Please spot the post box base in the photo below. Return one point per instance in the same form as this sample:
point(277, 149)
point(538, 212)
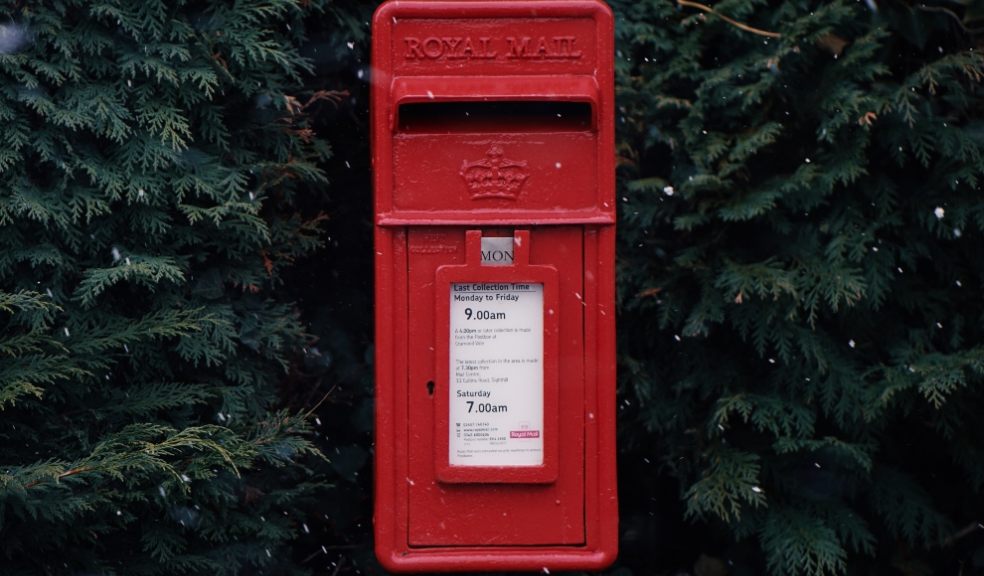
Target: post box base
point(543, 560)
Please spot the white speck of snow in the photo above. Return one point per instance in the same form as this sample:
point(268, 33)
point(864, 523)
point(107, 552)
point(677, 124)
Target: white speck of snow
point(959, 284)
point(939, 325)
point(900, 270)
point(268, 553)
point(252, 196)
point(127, 260)
point(129, 83)
point(668, 190)
point(874, 248)
point(126, 348)
point(703, 131)
point(48, 291)
point(721, 428)
point(306, 529)
point(772, 360)
point(317, 421)
point(116, 254)
point(807, 160)
point(185, 478)
point(756, 489)
point(939, 212)
point(141, 193)
point(350, 45)
point(430, 94)
point(323, 549)
point(160, 489)
point(119, 512)
point(360, 73)
point(557, 165)
point(851, 343)
point(957, 233)
point(676, 337)
point(221, 417)
point(546, 570)
point(67, 333)
point(817, 465)
point(348, 164)
point(410, 481)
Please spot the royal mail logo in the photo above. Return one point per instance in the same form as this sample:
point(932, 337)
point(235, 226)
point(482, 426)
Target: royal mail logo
point(495, 176)
point(490, 48)
point(524, 433)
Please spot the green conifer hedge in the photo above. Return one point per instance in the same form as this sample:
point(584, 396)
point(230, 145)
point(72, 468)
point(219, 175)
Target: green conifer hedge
point(801, 276)
point(185, 287)
point(153, 156)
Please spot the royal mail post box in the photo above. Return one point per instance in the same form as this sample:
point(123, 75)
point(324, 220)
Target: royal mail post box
point(493, 157)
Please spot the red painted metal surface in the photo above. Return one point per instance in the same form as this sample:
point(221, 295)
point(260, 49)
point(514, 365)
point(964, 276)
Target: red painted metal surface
point(494, 119)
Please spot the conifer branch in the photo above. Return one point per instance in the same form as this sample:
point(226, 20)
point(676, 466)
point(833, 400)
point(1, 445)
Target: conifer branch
point(59, 476)
point(941, 10)
point(962, 533)
point(732, 21)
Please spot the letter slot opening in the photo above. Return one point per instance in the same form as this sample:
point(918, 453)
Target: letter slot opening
point(495, 116)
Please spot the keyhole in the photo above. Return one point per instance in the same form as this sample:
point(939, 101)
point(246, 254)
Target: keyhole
point(430, 387)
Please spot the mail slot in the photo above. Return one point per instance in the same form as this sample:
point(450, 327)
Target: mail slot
point(493, 157)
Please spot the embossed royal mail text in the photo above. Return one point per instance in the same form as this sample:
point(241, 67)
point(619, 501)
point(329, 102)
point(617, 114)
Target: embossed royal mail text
point(491, 48)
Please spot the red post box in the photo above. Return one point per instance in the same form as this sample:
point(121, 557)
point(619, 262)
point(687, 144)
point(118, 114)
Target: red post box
point(493, 160)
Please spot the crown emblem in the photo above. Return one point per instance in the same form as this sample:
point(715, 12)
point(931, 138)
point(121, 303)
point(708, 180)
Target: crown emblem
point(494, 176)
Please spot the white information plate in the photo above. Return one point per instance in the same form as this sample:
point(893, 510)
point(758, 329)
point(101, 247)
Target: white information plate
point(496, 393)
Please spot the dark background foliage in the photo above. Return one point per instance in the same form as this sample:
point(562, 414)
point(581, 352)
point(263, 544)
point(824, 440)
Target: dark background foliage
point(800, 273)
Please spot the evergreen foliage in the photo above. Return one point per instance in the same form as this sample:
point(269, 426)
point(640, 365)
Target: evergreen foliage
point(801, 275)
point(152, 158)
point(800, 271)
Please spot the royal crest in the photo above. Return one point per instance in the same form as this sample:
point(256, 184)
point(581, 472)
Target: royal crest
point(494, 176)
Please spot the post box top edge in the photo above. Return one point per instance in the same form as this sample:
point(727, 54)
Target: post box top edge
point(486, 8)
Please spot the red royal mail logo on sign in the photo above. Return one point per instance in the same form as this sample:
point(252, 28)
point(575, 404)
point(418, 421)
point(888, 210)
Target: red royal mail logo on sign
point(524, 433)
